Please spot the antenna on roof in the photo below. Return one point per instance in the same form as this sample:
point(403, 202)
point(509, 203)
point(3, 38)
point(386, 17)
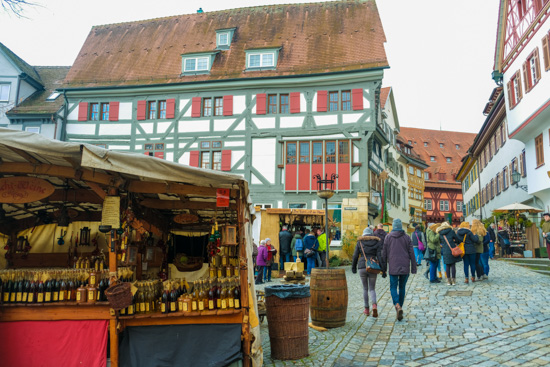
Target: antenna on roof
point(439, 125)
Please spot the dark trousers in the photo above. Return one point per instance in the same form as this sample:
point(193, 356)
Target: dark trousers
point(260, 276)
point(469, 264)
point(548, 249)
point(451, 270)
point(323, 256)
point(433, 270)
point(479, 266)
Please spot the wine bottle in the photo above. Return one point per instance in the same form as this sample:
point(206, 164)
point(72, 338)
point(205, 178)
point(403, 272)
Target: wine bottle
point(40, 292)
point(237, 295)
point(55, 288)
point(211, 295)
point(194, 297)
point(31, 297)
point(48, 291)
point(63, 290)
point(173, 300)
point(20, 288)
point(164, 302)
point(223, 295)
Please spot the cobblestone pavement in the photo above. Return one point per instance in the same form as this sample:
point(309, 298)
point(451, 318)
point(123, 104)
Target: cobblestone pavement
point(506, 321)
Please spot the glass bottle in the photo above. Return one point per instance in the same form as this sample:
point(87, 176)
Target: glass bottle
point(55, 287)
point(201, 296)
point(194, 297)
point(31, 297)
point(211, 295)
point(223, 295)
point(165, 302)
point(63, 290)
point(174, 300)
point(237, 294)
point(218, 294)
point(71, 289)
point(26, 288)
point(7, 287)
point(132, 307)
point(13, 288)
point(40, 292)
point(230, 297)
point(19, 288)
point(48, 291)
point(141, 299)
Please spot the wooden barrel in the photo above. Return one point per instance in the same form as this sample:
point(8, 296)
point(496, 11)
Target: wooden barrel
point(329, 297)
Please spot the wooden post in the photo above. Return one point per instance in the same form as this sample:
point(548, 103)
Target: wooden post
point(113, 334)
point(247, 345)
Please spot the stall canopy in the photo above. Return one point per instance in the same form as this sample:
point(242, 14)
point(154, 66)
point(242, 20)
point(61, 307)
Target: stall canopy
point(517, 207)
point(75, 179)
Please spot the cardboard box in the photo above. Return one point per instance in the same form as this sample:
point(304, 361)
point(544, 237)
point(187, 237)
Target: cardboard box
point(297, 267)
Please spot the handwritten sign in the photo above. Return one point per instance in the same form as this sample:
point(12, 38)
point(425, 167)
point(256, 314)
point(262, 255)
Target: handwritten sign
point(110, 214)
point(185, 218)
point(222, 198)
point(20, 190)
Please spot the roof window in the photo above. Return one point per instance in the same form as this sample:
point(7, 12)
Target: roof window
point(425, 143)
point(53, 96)
point(197, 63)
point(441, 145)
point(262, 59)
point(449, 160)
point(224, 38)
point(457, 146)
point(432, 158)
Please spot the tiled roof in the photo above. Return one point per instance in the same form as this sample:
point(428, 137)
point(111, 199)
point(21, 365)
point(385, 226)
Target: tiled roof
point(449, 139)
point(20, 63)
point(384, 93)
point(314, 38)
point(52, 77)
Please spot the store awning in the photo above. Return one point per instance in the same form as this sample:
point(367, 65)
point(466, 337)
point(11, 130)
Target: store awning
point(517, 207)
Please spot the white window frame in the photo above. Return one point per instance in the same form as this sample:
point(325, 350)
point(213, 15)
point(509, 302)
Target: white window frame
point(185, 70)
point(459, 206)
point(264, 206)
point(426, 175)
point(304, 204)
point(430, 202)
point(411, 170)
point(444, 205)
point(220, 39)
point(432, 158)
point(261, 54)
point(53, 96)
point(418, 173)
point(8, 86)
point(33, 129)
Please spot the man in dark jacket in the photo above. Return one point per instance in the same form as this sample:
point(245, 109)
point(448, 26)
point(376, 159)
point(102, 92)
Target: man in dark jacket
point(380, 233)
point(369, 247)
point(398, 253)
point(285, 238)
point(470, 240)
point(493, 235)
point(311, 245)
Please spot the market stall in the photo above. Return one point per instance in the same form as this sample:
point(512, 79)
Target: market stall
point(519, 224)
point(75, 219)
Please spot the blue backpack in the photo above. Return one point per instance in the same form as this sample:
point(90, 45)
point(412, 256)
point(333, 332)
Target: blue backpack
point(299, 245)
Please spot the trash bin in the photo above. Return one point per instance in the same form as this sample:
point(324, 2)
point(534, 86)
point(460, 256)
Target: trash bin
point(287, 309)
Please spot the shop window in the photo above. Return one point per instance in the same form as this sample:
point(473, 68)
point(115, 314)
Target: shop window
point(291, 153)
point(304, 152)
point(335, 222)
point(317, 152)
point(297, 206)
point(330, 152)
point(343, 152)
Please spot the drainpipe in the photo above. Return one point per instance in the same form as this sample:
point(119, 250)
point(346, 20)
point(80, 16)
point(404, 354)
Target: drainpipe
point(62, 135)
point(17, 92)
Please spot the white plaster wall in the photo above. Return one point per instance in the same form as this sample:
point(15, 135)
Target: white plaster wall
point(6, 67)
point(183, 103)
point(291, 121)
point(222, 125)
point(25, 90)
point(355, 177)
point(241, 126)
point(115, 129)
point(169, 156)
point(323, 120)
point(194, 126)
point(184, 159)
point(48, 130)
point(80, 129)
point(148, 127)
point(239, 104)
point(264, 122)
point(263, 157)
point(538, 96)
point(537, 178)
point(350, 118)
point(162, 127)
point(73, 115)
point(124, 111)
point(303, 103)
point(233, 144)
point(119, 147)
point(235, 156)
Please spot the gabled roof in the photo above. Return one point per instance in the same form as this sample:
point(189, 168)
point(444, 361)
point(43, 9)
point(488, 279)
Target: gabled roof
point(20, 64)
point(36, 104)
point(384, 93)
point(449, 139)
point(313, 38)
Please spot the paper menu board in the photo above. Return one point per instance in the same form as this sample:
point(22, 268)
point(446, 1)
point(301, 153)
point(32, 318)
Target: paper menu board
point(110, 214)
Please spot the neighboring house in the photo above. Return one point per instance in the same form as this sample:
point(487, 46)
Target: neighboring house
point(493, 173)
point(277, 94)
point(28, 100)
point(522, 65)
point(443, 152)
point(395, 190)
point(415, 167)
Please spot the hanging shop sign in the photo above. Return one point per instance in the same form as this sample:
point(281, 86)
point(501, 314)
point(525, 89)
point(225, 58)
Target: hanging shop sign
point(20, 190)
point(222, 198)
point(110, 215)
point(185, 218)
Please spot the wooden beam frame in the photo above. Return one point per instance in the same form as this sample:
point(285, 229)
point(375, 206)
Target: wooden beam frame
point(177, 204)
point(146, 187)
point(57, 171)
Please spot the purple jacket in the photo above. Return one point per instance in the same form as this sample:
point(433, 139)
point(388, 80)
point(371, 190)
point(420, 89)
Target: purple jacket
point(262, 256)
point(398, 253)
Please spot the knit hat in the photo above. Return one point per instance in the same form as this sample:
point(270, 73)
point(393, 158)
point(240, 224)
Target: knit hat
point(397, 225)
point(368, 232)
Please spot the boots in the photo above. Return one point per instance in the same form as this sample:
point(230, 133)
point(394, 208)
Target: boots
point(473, 279)
point(366, 311)
point(453, 281)
point(466, 281)
point(449, 282)
point(399, 312)
point(374, 310)
point(439, 275)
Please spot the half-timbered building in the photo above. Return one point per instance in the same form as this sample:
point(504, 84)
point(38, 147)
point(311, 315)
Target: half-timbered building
point(278, 94)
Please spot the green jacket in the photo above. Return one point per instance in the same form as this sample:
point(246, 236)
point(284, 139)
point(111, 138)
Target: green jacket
point(322, 242)
point(293, 245)
point(479, 245)
point(545, 227)
point(434, 242)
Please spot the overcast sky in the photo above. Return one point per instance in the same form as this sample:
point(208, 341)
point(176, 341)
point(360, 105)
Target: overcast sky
point(440, 52)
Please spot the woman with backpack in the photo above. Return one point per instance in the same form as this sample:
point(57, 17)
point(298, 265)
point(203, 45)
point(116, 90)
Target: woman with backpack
point(368, 248)
point(449, 240)
point(297, 247)
point(419, 244)
point(470, 240)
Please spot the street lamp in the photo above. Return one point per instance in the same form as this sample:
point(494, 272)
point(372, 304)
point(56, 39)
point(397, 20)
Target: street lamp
point(516, 178)
point(325, 190)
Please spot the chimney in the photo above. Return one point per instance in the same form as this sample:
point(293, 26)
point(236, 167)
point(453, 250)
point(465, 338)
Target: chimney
point(200, 11)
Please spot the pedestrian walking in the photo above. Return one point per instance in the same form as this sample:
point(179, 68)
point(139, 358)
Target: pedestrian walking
point(285, 238)
point(297, 246)
point(419, 243)
point(479, 229)
point(368, 248)
point(261, 262)
point(379, 232)
point(433, 253)
point(449, 240)
point(271, 252)
point(470, 240)
point(486, 255)
point(398, 253)
point(310, 250)
point(493, 235)
point(322, 251)
point(504, 239)
point(545, 226)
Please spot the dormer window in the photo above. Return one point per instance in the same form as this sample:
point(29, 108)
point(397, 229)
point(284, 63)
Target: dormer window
point(441, 145)
point(261, 59)
point(197, 63)
point(224, 38)
point(425, 144)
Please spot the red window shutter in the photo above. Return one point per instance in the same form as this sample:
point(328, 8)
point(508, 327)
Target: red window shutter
point(226, 160)
point(141, 110)
point(546, 51)
point(510, 95)
point(194, 158)
point(357, 95)
point(295, 102)
point(322, 99)
point(159, 155)
point(113, 111)
point(526, 76)
point(170, 108)
point(537, 63)
point(196, 108)
point(228, 105)
point(261, 104)
point(520, 93)
point(83, 111)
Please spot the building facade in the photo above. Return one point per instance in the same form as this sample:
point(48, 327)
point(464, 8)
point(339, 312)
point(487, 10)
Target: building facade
point(280, 105)
point(522, 65)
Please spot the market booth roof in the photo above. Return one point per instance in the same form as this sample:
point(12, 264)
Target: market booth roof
point(82, 175)
point(517, 207)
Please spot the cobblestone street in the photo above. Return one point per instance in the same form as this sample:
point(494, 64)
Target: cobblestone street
point(506, 321)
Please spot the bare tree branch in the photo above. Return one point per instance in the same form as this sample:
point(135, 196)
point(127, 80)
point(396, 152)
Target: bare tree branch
point(15, 6)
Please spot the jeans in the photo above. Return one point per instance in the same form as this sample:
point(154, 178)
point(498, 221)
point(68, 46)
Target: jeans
point(285, 257)
point(469, 263)
point(369, 286)
point(260, 276)
point(485, 261)
point(398, 296)
point(418, 255)
point(310, 264)
point(267, 273)
point(491, 249)
point(479, 266)
point(433, 270)
point(451, 270)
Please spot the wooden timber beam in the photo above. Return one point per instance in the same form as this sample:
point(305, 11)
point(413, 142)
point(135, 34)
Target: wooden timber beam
point(97, 190)
point(25, 155)
point(177, 205)
point(56, 171)
point(145, 187)
point(75, 196)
